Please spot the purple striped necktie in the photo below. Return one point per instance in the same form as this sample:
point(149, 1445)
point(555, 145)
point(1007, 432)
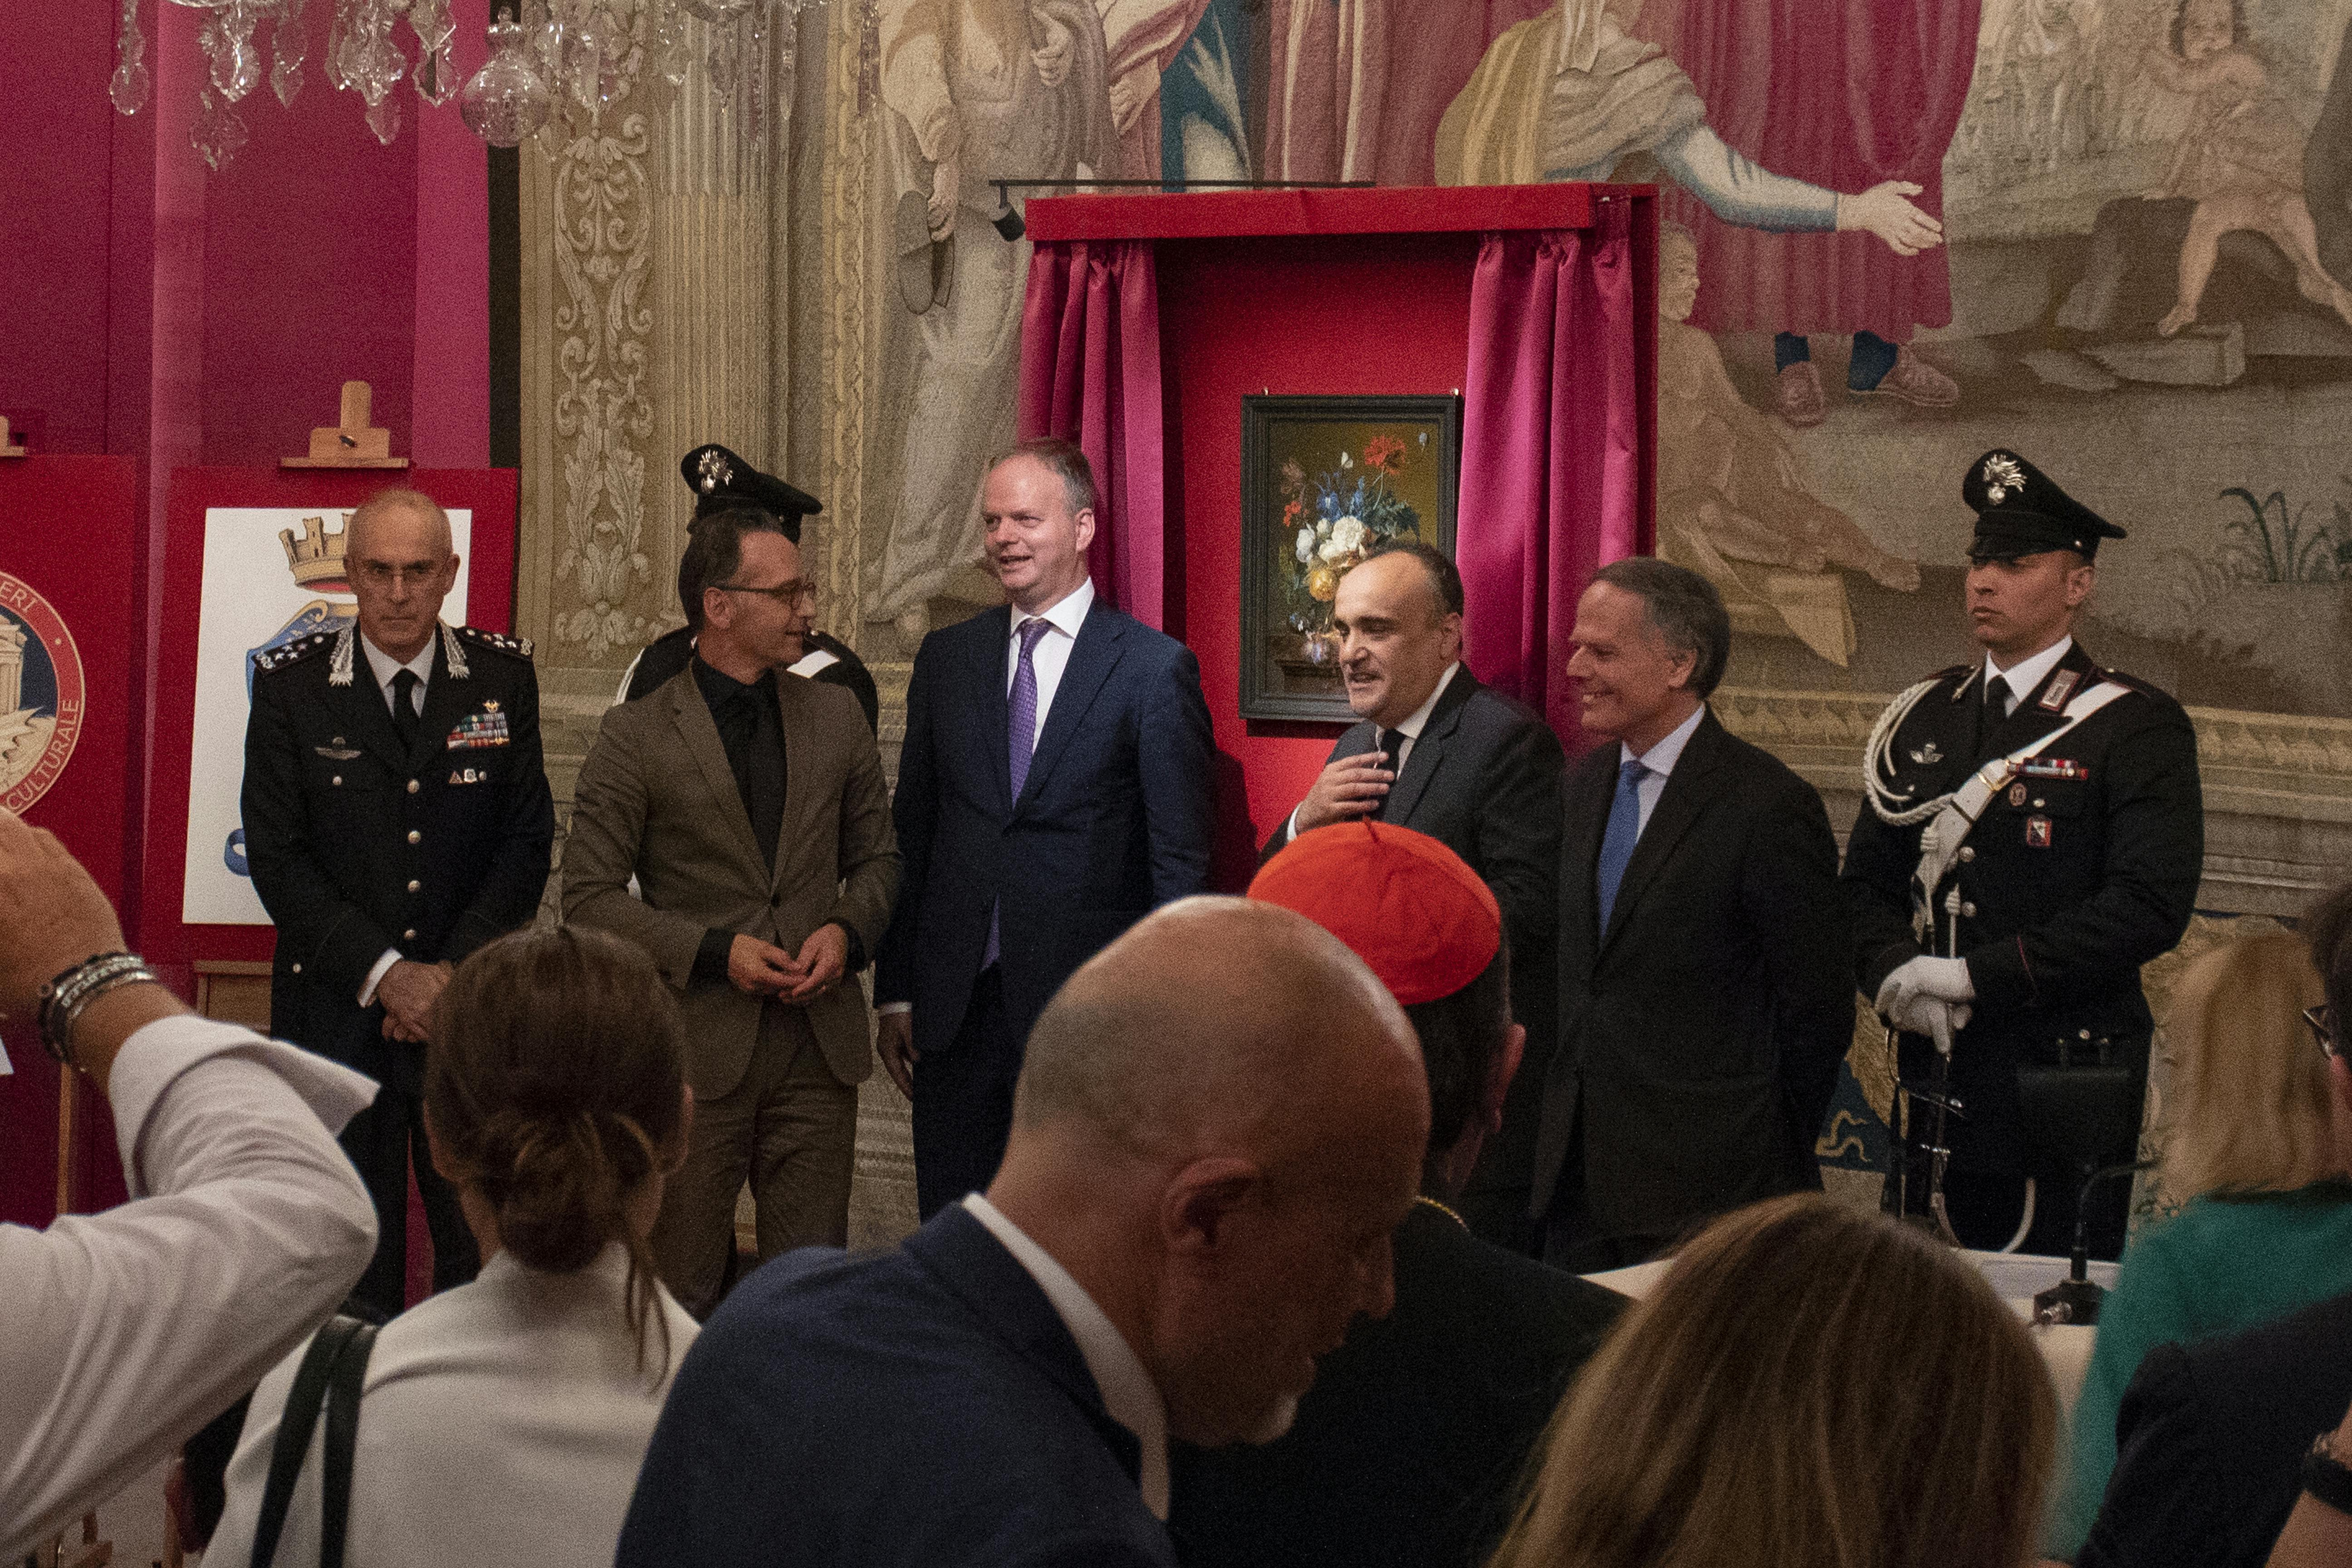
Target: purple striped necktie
point(1020, 735)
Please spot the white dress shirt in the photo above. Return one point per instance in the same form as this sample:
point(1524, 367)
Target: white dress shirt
point(1413, 724)
point(122, 1332)
point(2026, 673)
point(1052, 654)
point(1126, 1389)
point(500, 1422)
point(385, 666)
point(1660, 760)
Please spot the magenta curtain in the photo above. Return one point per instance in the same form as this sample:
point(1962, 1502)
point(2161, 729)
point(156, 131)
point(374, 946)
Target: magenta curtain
point(1090, 372)
point(1553, 482)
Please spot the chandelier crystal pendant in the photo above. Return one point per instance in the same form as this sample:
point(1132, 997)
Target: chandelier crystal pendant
point(582, 57)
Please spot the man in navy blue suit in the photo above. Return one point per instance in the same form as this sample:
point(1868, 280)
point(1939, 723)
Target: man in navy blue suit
point(1220, 1124)
point(1056, 786)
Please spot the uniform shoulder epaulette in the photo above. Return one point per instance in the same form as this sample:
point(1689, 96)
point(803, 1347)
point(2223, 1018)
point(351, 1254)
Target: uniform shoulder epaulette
point(294, 652)
point(1948, 672)
point(2135, 683)
point(518, 647)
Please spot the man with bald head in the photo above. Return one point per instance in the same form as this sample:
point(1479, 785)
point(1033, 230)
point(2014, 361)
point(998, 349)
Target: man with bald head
point(396, 817)
point(1438, 753)
point(1219, 1122)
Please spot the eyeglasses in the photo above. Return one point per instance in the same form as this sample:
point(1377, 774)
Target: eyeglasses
point(2322, 1020)
point(385, 574)
point(784, 593)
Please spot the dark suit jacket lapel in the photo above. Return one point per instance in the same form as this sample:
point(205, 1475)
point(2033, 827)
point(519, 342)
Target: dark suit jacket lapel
point(974, 1267)
point(1429, 748)
point(1591, 782)
point(1092, 658)
point(1678, 806)
point(699, 733)
point(995, 706)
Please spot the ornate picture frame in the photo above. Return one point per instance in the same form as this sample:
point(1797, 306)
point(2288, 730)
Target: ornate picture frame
point(1324, 480)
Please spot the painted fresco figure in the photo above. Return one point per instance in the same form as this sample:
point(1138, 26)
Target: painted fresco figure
point(1615, 106)
point(1140, 39)
point(1727, 478)
point(1356, 87)
point(978, 87)
point(2327, 168)
point(2241, 159)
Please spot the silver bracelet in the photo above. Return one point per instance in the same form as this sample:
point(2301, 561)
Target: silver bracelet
point(63, 999)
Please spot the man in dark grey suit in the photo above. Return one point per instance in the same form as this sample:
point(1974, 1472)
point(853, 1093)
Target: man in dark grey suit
point(751, 810)
point(1438, 753)
point(1704, 1006)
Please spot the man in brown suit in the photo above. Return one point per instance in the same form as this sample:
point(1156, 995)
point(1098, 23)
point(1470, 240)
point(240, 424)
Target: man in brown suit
point(750, 806)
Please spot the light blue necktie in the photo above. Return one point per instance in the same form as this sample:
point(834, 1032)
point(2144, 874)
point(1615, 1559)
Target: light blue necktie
point(1020, 734)
point(1617, 841)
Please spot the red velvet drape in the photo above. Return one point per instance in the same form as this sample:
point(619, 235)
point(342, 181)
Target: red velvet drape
point(1090, 372)
point(1554, 479)
point(1841, 93)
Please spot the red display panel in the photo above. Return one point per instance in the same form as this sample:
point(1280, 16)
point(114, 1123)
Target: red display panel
point(489, 494)
point(69, 529)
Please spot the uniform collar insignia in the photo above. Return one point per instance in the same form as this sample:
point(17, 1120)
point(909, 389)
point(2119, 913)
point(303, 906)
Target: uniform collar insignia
point(2061, 685)
point(347, 646)
point(455, 651)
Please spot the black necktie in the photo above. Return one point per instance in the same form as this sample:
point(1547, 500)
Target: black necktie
point(1393, 743)
point(1994, 713)
point(404, 707)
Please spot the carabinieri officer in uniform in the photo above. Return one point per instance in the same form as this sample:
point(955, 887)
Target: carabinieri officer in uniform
point(396, 817)
point(2069, 835)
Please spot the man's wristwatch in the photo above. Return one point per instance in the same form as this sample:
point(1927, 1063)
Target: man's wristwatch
point(2325, 1476)
point(63, 999)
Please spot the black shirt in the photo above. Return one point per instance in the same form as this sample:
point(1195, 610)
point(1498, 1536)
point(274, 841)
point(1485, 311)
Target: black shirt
point(751, 732)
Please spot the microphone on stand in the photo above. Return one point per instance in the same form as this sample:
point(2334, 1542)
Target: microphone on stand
point(2075, 1298)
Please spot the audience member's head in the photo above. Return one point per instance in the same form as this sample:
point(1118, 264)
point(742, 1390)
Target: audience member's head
point(1037, 503)
point(1398, 615)
point(401, 561)
point(2327, 929)
point(555, 1099)
point(1652, 640)
point(1218, 1124)
point(1809, 1383)
point(1430, 929)
point(2249, 1106)
point(741, 585)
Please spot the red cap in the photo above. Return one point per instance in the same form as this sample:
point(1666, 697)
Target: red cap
point(1408, 906)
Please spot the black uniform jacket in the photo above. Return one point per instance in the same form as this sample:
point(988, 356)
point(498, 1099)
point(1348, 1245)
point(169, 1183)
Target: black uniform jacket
point(2085, 868)
point(670, 652)
point(1410, 1449)
point(1484, 779)
point(1702, 1029)
point(357, 845)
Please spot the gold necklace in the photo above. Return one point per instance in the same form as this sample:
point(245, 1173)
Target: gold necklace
point(1441, 1208)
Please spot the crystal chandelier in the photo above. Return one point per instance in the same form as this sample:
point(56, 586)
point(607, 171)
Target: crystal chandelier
point(566, 62)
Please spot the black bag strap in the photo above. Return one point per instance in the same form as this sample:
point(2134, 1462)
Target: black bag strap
point(301, 1418)
point(342, 1440)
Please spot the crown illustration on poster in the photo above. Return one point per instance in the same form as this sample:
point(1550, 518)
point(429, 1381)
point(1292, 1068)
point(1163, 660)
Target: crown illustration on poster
point(318, 555)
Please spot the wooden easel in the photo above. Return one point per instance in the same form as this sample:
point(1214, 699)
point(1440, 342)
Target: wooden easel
point(355, 443)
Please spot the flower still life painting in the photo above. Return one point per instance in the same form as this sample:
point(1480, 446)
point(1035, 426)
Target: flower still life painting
point(1325, 482)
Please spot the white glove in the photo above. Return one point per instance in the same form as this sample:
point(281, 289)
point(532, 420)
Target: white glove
point(1929, 997)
